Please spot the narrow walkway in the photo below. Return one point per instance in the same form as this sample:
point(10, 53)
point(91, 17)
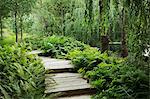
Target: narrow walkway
point(69, 84)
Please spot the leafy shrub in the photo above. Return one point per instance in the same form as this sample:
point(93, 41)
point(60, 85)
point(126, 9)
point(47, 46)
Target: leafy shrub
point(90, 58)
point(119, 82)
point(21, 75)
point(109, 75)
point(59, 46)
point(35, 42)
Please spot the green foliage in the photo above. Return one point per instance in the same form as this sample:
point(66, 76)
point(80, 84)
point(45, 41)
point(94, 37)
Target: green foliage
point(4, 11)
point(86, 59)
point(22, 75)
point(8, 38)
point(89, 58)
point(59, 46)
point(63, 17)
point(4, 8)
point(33, 41)
point(138, 36)
point(110, 76)
point(86, 20)
point(119, 82)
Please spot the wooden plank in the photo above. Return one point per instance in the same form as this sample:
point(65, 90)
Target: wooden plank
point(65, 78)
point(66, 82)
point(49, 66)
point(114, 43)
point(35, 52)
point(69, 79)
point(60, 75)
point(68, 88)
point(48, 59)
point(51, 59)
point(75, 92)
point(77, 97)
point(56, 64)
point(68, 85)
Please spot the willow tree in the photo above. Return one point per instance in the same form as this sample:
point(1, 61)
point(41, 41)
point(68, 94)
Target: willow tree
point(139, 30)
point(139, 37)
point(123, 22)
point(89, 18)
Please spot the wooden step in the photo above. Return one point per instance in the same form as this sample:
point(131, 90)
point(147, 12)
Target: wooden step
point(61, 81)
point(35, 52)
point(57, 65)
point(68, 84)
point(76, 97)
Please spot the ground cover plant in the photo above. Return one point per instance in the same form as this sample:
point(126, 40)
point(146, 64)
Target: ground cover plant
point(33, 42)
point(111, 76)
point(21, 75)
point(59, 46)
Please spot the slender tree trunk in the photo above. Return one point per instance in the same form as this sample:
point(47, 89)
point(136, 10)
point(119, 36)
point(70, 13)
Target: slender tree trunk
point(124, 48)
point(46, 27)
point(63, 21)
point(21, 28)
point(1, 26)
point(85, 17)
point(16, 28)
point(100, 8)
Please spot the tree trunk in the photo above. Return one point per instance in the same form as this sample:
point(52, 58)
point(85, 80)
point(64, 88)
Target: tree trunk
point(124, 48)
point(85, 17)
point(16, 28)
point(105, 43)
point(63, 21)
point(100, 10)
point(1, 26)
point(46, 27)
point(21, 28)
point(104, 38)
point(100, 6)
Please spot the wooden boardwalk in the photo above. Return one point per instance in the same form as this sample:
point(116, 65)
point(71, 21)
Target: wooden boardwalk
point(65, 81)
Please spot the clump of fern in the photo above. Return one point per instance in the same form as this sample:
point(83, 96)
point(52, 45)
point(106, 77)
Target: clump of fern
point(21, 75)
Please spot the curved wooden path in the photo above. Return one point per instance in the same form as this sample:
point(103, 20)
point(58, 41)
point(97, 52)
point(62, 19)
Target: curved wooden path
point(66, 82)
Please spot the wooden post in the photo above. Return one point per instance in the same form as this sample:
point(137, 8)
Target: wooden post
point(1, 26)
point(105, 43)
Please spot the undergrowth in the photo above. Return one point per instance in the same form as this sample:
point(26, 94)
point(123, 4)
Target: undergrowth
point(21, 75)
point(113, 77)
point(59, 46)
